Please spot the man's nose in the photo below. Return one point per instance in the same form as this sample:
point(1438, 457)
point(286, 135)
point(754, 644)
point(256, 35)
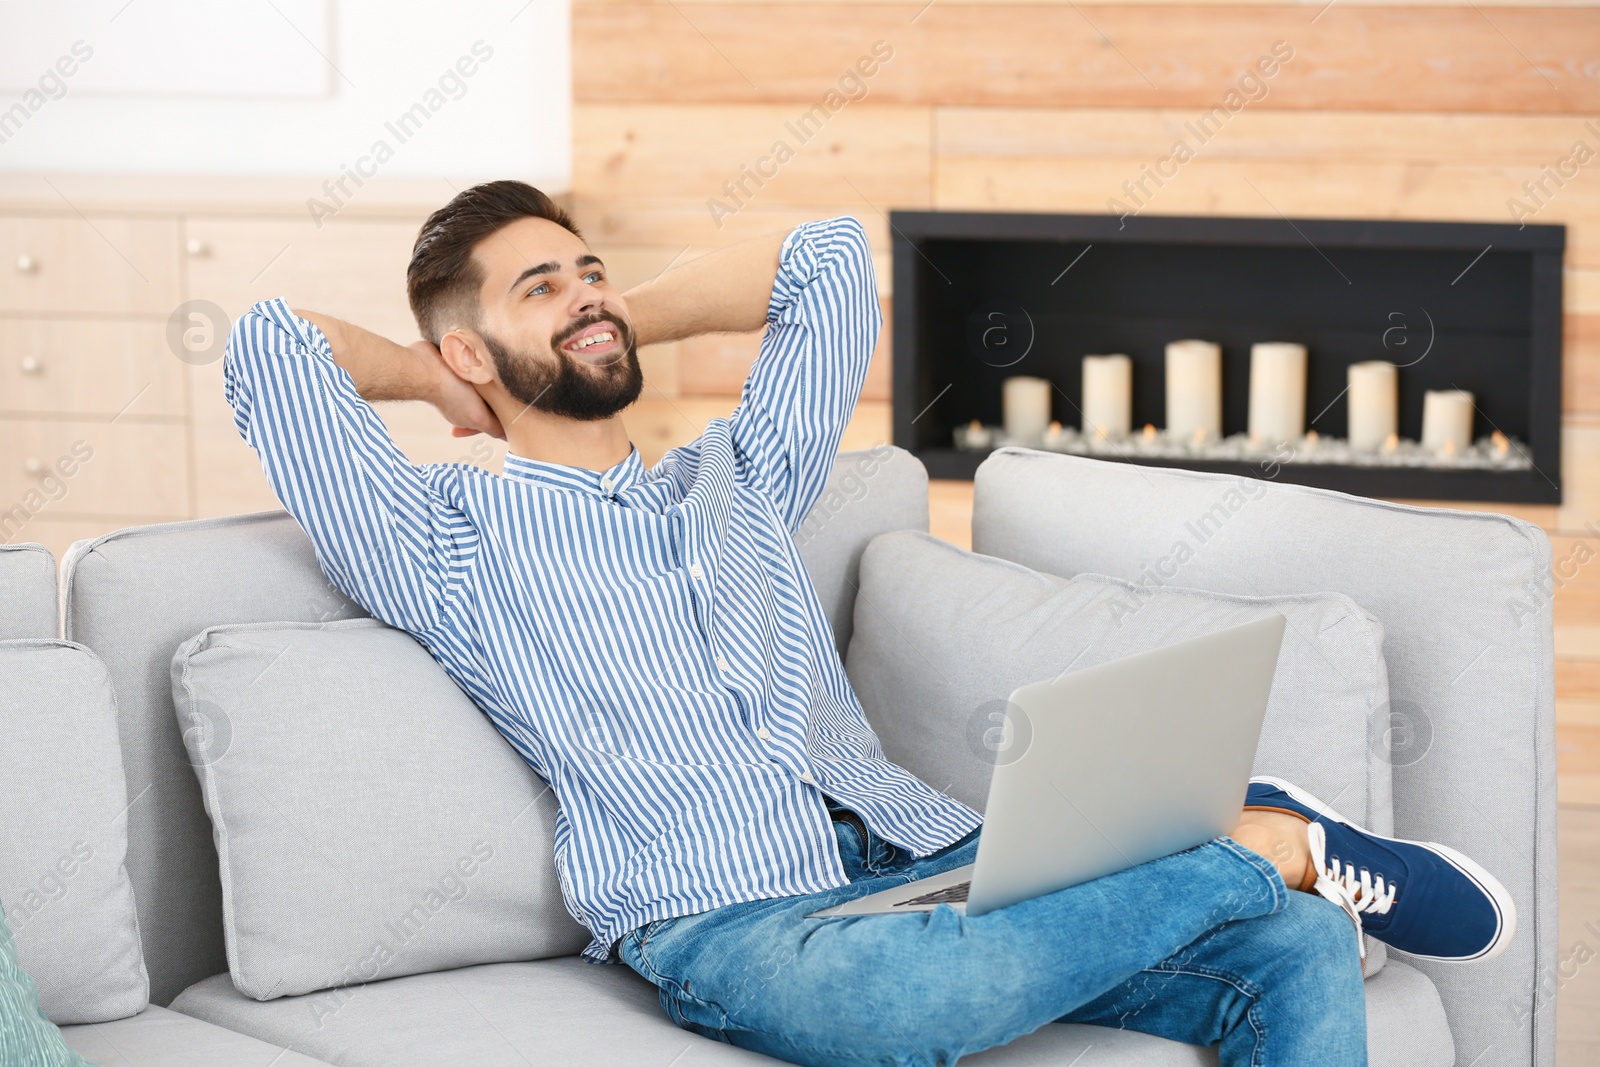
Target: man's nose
point(586, 301)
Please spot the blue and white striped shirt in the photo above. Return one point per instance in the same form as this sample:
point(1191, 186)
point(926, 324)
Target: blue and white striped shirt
point(648, 640)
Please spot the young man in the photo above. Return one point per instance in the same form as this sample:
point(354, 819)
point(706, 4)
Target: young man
point(649, 641)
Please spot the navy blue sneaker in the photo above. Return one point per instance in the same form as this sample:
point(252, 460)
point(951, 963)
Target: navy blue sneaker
point(1424, 899)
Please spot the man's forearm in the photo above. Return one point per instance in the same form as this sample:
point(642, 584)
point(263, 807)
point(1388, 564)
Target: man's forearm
point(380, 368)
point(726, 291)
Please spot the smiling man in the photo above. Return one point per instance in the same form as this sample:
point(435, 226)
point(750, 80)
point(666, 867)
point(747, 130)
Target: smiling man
point(649, 642)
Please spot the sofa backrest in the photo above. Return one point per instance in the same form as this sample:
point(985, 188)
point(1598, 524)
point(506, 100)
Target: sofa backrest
point(1465, 602)
point(136, 594)
point(27, 592)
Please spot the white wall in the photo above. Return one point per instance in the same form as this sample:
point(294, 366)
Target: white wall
point(510, 118)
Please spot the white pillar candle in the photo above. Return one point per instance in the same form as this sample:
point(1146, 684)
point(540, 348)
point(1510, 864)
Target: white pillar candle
point(1374, 403)
point(1107, 396)
point(1026, 404)
point(1277, 391)
point(1446, 420)
point(1194, 389)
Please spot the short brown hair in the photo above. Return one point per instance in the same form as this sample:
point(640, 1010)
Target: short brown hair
point(442, 279)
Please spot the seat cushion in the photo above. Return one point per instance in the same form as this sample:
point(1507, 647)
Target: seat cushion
point(66, 892)
point(369, 821)
point(568, 1011)
point(157, 1037)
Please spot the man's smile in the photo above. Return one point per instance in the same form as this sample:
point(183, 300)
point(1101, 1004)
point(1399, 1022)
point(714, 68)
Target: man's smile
point(597, 340)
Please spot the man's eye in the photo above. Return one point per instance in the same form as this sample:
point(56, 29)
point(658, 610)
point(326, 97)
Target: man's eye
point(594, 273)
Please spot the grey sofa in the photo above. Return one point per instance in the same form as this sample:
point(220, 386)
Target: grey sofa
point(1462, 598)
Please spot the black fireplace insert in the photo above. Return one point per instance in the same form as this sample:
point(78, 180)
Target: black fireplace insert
point(982, 296)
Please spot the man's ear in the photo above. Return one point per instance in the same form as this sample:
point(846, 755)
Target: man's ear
point(464, 352)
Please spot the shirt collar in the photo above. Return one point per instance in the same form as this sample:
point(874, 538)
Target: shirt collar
point(579, 479)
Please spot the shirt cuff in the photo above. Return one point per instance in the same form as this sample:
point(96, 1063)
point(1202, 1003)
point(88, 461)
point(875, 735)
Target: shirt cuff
point(801, 259)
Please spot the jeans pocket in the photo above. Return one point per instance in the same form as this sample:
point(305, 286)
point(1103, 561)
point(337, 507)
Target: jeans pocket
point(693, 1014)
point(688, 1011)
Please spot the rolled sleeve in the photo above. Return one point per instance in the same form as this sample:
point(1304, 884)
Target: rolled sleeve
point(823, 321)
point(382, 533)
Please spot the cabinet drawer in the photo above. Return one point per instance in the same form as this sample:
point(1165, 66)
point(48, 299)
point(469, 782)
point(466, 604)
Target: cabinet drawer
point(65, 264)
point(73, 467)
point(105, 369)
point(353, 269)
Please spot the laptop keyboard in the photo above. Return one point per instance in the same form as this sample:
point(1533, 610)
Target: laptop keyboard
point(955, 894)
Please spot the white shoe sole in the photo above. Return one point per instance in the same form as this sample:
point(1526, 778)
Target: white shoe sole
point(1488, 883)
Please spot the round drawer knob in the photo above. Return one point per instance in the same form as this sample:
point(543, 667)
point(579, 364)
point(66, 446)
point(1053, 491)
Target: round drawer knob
point(197, 248)
point(26, 264)
point(33, 465)
point(32, 365)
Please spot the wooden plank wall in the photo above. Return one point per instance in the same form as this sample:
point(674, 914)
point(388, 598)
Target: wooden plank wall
point(1439, 110)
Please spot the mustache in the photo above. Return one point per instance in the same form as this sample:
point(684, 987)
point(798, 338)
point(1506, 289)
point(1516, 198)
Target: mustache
point(623, 333)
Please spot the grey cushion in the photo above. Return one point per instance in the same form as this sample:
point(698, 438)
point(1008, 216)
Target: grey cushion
point(66, 893)
point(567, 1011)
point(136, 594)
point(369, 820)
point(943, 635)
point(1464, 601)
point(27, 1038)
point(133, 596)
point(27, 592)
point(157, 1037)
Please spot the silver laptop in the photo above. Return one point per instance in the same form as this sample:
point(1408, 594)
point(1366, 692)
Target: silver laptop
point(1128, 761)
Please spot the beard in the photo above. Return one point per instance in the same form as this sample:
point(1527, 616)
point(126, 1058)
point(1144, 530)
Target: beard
point(586, 393)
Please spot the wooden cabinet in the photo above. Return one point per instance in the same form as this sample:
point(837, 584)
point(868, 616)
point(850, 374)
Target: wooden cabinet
point(63, 367)
point(137, 471)
point(104, 265)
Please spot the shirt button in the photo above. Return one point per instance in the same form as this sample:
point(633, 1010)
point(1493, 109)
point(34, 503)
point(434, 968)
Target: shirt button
point(694, 570)
point(606, 483)
point(764, 733)
point(805, 776)
point(722, 664)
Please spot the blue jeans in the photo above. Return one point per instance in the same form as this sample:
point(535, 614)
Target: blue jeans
point(1206, 947)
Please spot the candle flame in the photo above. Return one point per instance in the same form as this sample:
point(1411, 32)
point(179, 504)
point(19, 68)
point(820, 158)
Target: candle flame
point(1501, 444)
point(1199, 435)
point(1311, 438)
point(1448, 448)
point(1149, 431)
point(1055, 428)
point(1391, 442)
point(974, 426)
point(1099, 432)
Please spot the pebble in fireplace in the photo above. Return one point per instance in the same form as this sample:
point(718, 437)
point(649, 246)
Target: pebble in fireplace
point(1495, 451)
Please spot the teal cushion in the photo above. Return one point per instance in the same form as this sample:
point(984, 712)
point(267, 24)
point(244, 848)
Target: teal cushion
point(27, 1038)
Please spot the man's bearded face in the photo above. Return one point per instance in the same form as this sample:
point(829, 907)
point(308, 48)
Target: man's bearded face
point(572, 383)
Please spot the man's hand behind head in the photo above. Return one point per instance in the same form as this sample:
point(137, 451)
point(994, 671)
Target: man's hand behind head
point(458, 400)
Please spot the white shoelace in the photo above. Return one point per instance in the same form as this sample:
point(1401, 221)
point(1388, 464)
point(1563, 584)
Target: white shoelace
point(1354, 891)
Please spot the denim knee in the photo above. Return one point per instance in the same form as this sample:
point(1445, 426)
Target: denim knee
point(1308, 950)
